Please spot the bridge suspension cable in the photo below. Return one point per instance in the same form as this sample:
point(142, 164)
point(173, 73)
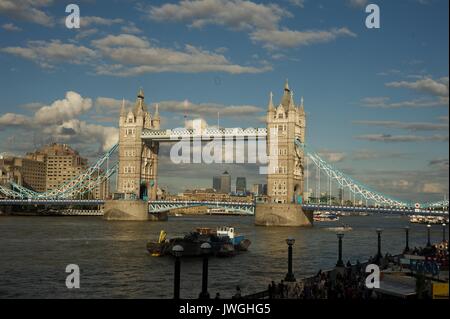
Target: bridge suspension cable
point(345, 181)
point(79, 185)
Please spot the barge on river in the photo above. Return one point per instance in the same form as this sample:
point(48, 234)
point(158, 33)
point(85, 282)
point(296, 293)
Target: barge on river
point(224, 243)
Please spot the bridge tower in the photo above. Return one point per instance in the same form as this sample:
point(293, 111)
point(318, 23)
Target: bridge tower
point(285, 178)
point(138, 161)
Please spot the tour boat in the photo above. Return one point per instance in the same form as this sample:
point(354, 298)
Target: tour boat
point(325, 217)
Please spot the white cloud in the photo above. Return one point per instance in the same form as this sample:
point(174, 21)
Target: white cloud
point(234, 14)
point(62, 110)
point(138, 56)
point(60, 122)
point(86, 21)
point(385, 103)
point(12, 119)
point(435, 188)
point(109, 105)
point(79, 132)
point(285, 38)
point(411, 126)
point(11, 27)
point(298, 3)
point(131, 28)
point(27, 10)
point(437, 87)
point(48, 53)
point(357, 3)
point(332, 156)
point(260, 20)
point(209, 109)
point(388, 138)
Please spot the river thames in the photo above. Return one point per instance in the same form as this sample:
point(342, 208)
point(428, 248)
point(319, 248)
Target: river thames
point(114, 262)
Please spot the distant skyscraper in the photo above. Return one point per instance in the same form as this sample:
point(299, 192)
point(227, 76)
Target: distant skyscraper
point(241, 185)
point(217, 183)
point(225, 183)
point(341, 195)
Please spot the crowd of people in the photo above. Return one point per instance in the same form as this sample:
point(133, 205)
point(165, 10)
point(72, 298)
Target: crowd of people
point(349, 281)
point(346, 284)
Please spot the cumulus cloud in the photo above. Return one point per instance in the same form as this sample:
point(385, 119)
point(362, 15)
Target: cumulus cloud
point(79, 132)
point(136, 56)
point(12, 119)
point(286, 38)
point(261, 21)
point(62, 110)
point(59, 122)
point(413, 126)
point(27, 10)
point(235, 14)
point(388, 138)
point(48, 53)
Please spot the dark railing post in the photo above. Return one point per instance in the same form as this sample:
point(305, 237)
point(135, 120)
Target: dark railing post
point(407, 240)
point(340, 262)
point(178, 252)
point(379, 256)
point(206, 249)
point(290, 275)
point(428, 235)
point(443, 232)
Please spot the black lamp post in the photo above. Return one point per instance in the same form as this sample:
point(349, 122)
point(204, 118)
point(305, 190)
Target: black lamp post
point(340, 262)
point(206, 249)
point(428, 235)
point(290, 275)
point(407, 239)
point(443, 232)
point(379, 256)
point(178, 252)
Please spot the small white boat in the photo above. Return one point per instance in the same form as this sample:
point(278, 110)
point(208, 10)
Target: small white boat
point(325, 217)
point(342, 228)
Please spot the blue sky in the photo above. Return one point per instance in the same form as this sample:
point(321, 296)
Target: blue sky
point(376, 99)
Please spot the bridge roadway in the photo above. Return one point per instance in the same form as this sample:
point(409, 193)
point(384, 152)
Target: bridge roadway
point(243, 207)
point(205, 134)
point(53, 202)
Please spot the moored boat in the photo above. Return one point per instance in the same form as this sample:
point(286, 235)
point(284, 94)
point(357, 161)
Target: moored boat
point(224, 243)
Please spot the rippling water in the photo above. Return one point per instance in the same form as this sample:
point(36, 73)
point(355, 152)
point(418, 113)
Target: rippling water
point(114, 263)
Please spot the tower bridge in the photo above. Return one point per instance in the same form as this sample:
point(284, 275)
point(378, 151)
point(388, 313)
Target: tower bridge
point(287, 155)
